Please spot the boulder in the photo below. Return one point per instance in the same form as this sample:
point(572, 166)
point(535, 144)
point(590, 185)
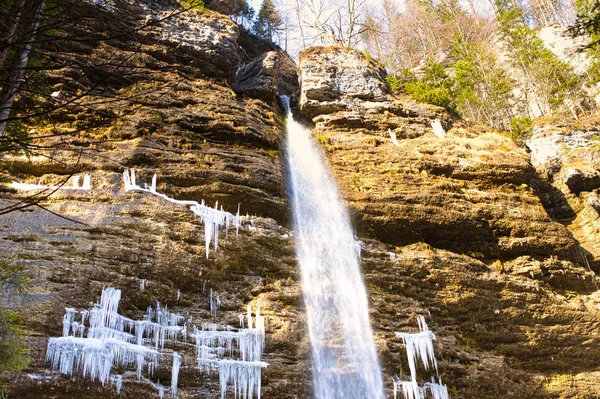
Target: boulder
point(271, 74)
point(581, 179)
point(336, 78)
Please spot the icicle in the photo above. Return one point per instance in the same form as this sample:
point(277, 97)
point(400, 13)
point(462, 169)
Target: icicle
point(421, 345)
point(108, 345)
point(127, 180)
point(437, 390)
point(392, 255)
point(249, 317)
point(178, 295)
point(410, 389)
point(175, 373)
point(393, 137)
point(87, 182)
point(153, 186)
point(237, 222)
point(214, 302)
point(117, 382)
point(67, 320)
point(132, 172)
point(438, 130)
point(143, 285)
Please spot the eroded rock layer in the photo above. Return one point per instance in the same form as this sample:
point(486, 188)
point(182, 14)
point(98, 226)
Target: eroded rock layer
point(454, 225)
point(169, 109)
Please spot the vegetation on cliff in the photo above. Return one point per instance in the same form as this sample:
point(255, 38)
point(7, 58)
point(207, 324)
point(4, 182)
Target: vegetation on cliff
point(14, 281)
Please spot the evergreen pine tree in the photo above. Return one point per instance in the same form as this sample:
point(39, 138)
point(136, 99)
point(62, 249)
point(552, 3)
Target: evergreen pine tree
point(268, 21)
point(244, 13)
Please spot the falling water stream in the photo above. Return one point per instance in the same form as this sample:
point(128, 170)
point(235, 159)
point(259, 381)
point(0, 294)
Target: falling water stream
point(344, 360)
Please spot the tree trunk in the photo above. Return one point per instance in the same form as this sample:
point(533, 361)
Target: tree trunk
point(12, 87)
point(10, 33)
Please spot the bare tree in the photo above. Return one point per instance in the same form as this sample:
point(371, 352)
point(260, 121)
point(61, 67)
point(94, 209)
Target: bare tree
point(325, 22)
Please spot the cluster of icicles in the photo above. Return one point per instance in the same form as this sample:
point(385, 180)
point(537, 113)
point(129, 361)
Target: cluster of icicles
point(113, 341)
point(420, 346)
point(213, 218)
point(87, 185)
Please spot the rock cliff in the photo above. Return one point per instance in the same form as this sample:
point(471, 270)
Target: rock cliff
point(457, 225)
point(495, 245)
point(169, 108)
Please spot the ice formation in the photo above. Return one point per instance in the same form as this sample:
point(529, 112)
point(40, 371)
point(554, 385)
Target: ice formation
point(438, 130)
point(215, 303)
point(420, 346)
point(114, 341)
point(87, 178)
point(393, 137)
point(175, 373)
point(213, 218)
point(234, 353)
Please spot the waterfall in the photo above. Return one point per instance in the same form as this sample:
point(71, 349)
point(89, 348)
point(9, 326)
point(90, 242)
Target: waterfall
point(344, 360)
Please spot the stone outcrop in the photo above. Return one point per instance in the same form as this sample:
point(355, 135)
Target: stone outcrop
point(566, 156)
point(270, 74)
point(333, 78)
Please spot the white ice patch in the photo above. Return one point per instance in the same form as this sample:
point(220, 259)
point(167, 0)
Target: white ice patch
point(74, 185)
point(234, 353)
point(438, 130)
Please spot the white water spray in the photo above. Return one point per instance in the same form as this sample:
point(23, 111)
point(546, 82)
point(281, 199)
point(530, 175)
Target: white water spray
point(345, 363)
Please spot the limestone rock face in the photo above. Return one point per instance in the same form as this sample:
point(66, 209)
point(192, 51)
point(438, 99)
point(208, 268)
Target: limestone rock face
point(270, 74)
point(334, 79)
point(204, 41)
point(170, 110)
point(567, 155)
point(459, 226)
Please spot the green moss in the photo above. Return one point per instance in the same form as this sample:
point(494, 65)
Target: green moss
point(13, 353)
point(322, 139)
point(193, 4)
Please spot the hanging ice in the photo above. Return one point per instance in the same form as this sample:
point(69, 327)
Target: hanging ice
point(438, 130)
point(214, 302)
point(213, 218)
point(437, 390)
point(410, 389)
point(345, 363)
point(235, 354)
point(393, 137)
point(420, 346)
point(108, 345)
point(87, 182)
point(175, 372)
